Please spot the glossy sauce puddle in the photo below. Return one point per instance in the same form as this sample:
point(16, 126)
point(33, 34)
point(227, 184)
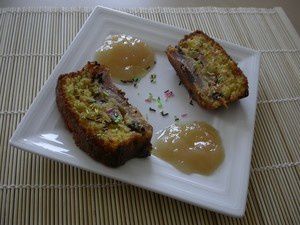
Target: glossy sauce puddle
point(126, 57)
point(192, 148)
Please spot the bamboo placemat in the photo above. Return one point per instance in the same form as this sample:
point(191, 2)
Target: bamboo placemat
point(36, 190)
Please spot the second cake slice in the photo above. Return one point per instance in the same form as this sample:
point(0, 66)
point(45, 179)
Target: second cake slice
point(212, 78)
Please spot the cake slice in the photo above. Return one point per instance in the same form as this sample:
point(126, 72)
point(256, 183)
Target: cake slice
point(212, 78)
point(102, 122)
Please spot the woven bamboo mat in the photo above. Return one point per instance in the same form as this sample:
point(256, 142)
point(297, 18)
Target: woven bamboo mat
point(36, 190)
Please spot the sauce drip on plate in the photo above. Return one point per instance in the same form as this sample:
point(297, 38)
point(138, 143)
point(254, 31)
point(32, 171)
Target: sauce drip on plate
point(192, 148)
point(126, 57)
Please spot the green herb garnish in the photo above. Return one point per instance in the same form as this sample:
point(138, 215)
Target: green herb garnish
point(153, 78)
point(105, 94)
point(159, 103)
point(136, 79)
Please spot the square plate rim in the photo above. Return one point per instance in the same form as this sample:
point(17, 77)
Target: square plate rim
point(17, 135)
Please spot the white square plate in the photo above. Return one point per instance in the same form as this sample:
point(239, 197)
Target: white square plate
point(42, 130)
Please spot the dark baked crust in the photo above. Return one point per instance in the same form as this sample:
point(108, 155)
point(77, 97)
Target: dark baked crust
point(111, 154)
point(186, 75)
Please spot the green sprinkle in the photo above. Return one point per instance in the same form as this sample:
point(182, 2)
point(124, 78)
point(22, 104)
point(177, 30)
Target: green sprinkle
point(136, 79)
point(90, 100)
point(153, 78)
point(159, 103)
point(150, 96)
point(118, 119)
point(105, 93)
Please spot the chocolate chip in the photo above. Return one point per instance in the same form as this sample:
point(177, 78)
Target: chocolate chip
point(216, 95)
point(179, 50)
point(136, 126)
point(190, 77)
point(98, 77)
